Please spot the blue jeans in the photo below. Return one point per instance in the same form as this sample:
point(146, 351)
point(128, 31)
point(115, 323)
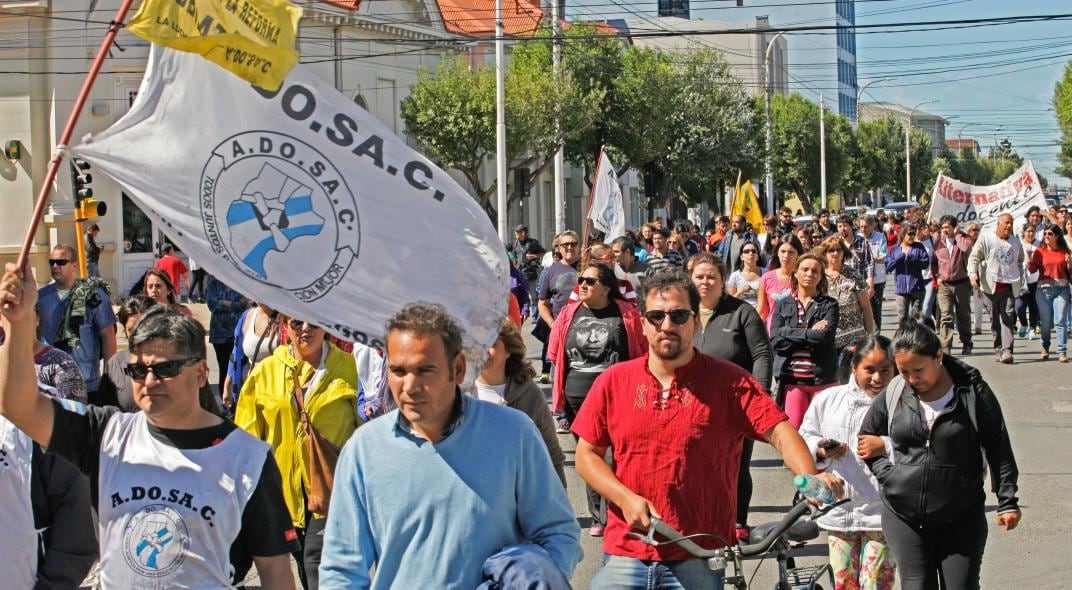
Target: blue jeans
point(1053, 310)
point(627, 573)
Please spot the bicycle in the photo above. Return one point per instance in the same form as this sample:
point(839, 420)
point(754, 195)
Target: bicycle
point(772, 538)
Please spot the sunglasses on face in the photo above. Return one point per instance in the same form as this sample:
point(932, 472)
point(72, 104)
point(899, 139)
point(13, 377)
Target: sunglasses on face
point(679, 316)
point(162, 370)
point(568, 244)
point(750, 251)
point(590, 281)
point(296, 325)
point(58, 262)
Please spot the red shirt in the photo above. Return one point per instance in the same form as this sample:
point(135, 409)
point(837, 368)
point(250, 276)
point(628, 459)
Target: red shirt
point(1050, 264)
point(174, 267)
point(683, 458)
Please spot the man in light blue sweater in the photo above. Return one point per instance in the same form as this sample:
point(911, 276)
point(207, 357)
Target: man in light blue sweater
point(431, 490)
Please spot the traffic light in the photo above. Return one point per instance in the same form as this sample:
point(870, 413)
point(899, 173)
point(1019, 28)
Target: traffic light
point(85, 206)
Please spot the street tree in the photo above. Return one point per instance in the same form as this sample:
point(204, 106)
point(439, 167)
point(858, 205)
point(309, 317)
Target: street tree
point(1062, 106)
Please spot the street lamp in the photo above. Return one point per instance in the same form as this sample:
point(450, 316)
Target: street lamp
point(770, 127)
point(908, 148)
point(860, 93)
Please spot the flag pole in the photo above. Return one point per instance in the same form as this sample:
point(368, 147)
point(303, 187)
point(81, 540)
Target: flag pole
point(68, 131)
point(736, 191)
point(588, 210)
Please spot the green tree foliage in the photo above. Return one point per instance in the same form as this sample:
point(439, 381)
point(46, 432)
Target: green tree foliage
point(797, 149)
point(452, 114)
point(1062, 104)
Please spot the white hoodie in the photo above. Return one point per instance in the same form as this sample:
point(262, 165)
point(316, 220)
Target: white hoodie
point(837, 413)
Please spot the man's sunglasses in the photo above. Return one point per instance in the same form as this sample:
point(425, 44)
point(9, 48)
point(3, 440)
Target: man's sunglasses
point(568, 244)
point(590, 281)
point(655, 317)
point(58, 262)
point(162, 370)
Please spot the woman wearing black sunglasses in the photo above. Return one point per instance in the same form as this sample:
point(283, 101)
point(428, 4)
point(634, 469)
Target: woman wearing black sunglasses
point(589, 336)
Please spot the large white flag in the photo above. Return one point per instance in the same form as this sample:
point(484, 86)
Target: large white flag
point(984, 204)
point(607, 211)
point(303, 200)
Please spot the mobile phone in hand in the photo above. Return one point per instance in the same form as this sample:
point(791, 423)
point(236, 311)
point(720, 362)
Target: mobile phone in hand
point(829, 444)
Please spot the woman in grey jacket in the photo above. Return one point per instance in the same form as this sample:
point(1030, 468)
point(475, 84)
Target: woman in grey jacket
point(507, 381)
point(731, 330)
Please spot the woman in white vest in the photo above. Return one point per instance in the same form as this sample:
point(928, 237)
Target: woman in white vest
point(179, 489)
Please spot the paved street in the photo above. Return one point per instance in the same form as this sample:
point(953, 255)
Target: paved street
point(1036, 397)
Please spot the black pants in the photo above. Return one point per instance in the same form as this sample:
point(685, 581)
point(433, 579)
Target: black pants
point(597, 505)
point(223, 356)
point(744, 482)
point(308, 557)
point(951, 553)
point(876, 305)
point(198, 285)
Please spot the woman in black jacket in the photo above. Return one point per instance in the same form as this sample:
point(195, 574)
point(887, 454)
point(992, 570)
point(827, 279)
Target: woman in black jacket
point(731, 330)
point(802, 336)
point(945, 417)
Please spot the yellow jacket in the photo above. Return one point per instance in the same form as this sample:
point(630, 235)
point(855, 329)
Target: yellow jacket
point(267, 409)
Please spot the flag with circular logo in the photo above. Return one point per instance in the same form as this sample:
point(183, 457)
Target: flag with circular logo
point(301, 199)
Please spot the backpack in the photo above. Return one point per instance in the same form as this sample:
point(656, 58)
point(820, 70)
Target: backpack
point(895, 390)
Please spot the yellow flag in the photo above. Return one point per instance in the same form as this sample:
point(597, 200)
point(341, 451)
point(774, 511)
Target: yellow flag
point(253, 39)
point(745, 202)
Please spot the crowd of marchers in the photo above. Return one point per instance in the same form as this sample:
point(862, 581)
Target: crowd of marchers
point(669, 352)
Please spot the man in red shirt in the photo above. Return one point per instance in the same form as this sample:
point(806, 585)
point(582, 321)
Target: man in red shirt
point(174, 267)
point(676, 420)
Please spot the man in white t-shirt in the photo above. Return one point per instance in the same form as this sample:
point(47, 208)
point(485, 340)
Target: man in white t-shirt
point(994, 267)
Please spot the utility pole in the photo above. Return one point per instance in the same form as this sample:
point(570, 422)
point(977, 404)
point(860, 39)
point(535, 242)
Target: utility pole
point(860, 93)
point(560, 154)
point(908, 149)
point(822, 150)
point(500, 123)
point(770, 127)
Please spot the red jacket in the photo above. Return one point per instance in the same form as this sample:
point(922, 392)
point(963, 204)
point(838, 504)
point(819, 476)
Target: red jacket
point(556, 343)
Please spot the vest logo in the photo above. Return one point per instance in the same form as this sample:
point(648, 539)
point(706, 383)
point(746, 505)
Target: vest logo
point(155, 541)
point(280, 212)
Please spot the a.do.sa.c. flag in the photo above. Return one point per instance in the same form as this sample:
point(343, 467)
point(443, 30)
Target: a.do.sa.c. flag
point(304, 201)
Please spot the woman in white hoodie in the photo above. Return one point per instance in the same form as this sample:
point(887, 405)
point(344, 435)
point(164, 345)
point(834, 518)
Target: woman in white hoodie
point(859, 555)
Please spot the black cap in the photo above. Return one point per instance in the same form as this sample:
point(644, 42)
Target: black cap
point(522, 227)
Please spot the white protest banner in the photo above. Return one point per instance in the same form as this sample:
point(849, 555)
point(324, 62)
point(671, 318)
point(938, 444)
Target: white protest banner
point(984, 204)
point(606, 209)
point(302, 200)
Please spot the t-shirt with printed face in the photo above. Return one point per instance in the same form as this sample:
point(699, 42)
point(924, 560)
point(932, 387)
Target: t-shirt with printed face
point(680, 447)
point(596, 339)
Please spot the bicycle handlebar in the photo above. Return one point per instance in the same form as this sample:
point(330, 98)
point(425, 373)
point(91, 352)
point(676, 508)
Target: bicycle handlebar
point(762, 546)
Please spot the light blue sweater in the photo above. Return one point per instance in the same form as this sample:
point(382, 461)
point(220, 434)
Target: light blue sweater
point(429, 515)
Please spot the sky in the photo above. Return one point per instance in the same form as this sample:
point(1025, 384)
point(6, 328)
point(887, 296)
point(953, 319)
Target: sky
point(991, 82)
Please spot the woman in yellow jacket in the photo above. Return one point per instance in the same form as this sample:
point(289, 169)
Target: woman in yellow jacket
point(267, 409)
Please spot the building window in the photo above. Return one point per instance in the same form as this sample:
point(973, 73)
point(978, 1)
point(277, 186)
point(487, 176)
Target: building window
point(137, 228)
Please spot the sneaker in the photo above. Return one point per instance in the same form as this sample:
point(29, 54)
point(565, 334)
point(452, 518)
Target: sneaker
point(1023, 331)
point(966, 349)
point(545, 378)
point(562, 425)
point(978, 331)
point(596, 530)
point(1006, 357)
point(742, 533)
